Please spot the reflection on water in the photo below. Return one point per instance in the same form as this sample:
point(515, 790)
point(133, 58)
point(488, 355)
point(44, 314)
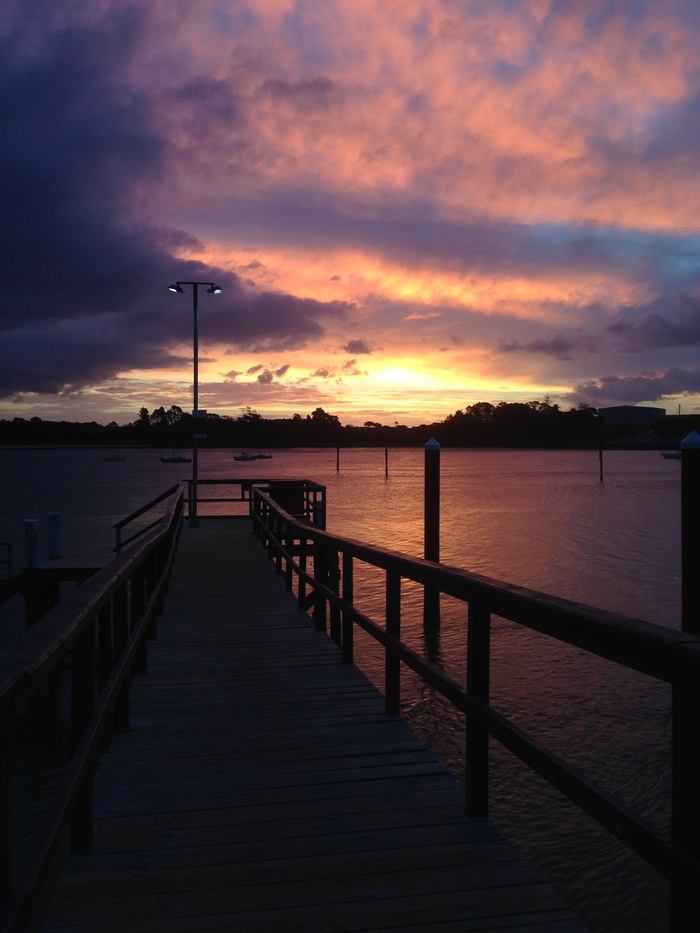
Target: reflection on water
point(539, 519)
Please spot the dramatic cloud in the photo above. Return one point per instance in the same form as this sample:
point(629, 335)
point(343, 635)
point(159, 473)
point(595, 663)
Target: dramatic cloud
point(631, 389)
point(680, 328)
point(501, 198)
point(356, 346)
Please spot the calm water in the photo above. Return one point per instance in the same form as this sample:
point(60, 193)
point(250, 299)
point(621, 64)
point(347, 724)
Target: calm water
point(540, 519)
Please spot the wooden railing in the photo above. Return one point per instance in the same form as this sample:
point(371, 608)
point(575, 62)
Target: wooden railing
point(324, 566)
point(99, 636)
point(121, 542)
point(303, 498)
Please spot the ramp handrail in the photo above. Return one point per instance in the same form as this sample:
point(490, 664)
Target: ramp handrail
point(324, 563)
point(103, 629)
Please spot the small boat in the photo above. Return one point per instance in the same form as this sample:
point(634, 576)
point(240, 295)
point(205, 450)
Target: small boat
point(259, 456)
point(176, 458)
point(244, 456)
point(113, 458)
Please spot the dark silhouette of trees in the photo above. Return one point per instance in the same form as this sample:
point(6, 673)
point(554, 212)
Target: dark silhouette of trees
point(483, 424)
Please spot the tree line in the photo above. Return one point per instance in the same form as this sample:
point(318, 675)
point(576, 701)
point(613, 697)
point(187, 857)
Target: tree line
point(505, 424)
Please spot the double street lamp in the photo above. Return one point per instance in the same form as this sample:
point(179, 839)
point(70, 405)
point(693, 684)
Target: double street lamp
point(212, 289)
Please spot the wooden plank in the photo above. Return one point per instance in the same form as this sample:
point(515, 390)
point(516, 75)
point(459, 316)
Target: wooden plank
point(262, 787)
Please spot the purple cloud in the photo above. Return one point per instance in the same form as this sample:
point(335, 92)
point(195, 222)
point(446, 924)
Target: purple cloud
point(357, 346)
point(558, 346)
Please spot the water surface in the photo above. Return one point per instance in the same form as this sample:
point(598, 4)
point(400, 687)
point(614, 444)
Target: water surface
point(539, 519)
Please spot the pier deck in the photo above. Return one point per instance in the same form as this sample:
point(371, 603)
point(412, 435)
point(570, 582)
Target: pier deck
point(263, 788)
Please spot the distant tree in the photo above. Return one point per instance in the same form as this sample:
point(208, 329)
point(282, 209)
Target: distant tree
point(249, 415)
point(324, 417)
point(482, 411)
point(158, 417)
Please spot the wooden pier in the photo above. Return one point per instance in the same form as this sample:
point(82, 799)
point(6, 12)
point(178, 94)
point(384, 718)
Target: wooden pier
point(263, 787)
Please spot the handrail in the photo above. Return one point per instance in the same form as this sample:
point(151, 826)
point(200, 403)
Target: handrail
point(120, 545)
point(107, 619)
point(667, 655)
point(311, 495)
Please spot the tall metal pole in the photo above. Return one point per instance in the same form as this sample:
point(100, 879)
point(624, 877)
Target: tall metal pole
point(194, 521)
point(196, 413)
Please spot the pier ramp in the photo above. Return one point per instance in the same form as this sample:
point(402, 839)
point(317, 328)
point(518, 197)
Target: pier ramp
point(262, 787)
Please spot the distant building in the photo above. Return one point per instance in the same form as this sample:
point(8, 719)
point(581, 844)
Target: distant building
point(632, 416)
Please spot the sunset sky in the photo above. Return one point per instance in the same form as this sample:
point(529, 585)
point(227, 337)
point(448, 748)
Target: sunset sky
point(410, 205)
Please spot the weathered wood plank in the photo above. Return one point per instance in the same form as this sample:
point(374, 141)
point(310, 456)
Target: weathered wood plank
point(262, 787)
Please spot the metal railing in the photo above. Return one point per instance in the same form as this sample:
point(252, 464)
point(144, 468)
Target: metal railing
point(324, 566)
point(98, 635)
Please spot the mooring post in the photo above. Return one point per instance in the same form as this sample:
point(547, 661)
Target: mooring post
point(31, 557)
point(685, 802)
point(690, 533)
point(54, 534)
point(431, 526)
point(386, 461)
point(337, 459)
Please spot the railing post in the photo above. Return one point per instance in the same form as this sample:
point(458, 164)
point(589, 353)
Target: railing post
point(273, 550)
point(151, 576)
point(288, 543)
point(320, 576)
point(392, 662)
point(478, 686)
point(334, 583)
point(690, 533)
point(348, 628)
point(5, 802)
point(120, 616)
point(685, 801)
point(82, 707)
point(303, 560)
point(138, 604)
point(105, 645)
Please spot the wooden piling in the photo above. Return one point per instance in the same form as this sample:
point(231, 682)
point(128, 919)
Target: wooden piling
point(690, 533)
point(431, 526)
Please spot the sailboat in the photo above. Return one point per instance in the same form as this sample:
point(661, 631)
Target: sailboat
point(113, 458)
point(244, 456)
point(175, 458)
point(258, 455)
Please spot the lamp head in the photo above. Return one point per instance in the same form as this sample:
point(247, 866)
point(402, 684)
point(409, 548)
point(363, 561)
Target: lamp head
point(214, 289)
point(176, 288)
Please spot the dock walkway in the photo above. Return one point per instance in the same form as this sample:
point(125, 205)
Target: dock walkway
point(263, 788)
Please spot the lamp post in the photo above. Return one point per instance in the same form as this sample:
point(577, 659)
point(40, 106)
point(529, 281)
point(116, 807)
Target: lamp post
point(212, 289)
